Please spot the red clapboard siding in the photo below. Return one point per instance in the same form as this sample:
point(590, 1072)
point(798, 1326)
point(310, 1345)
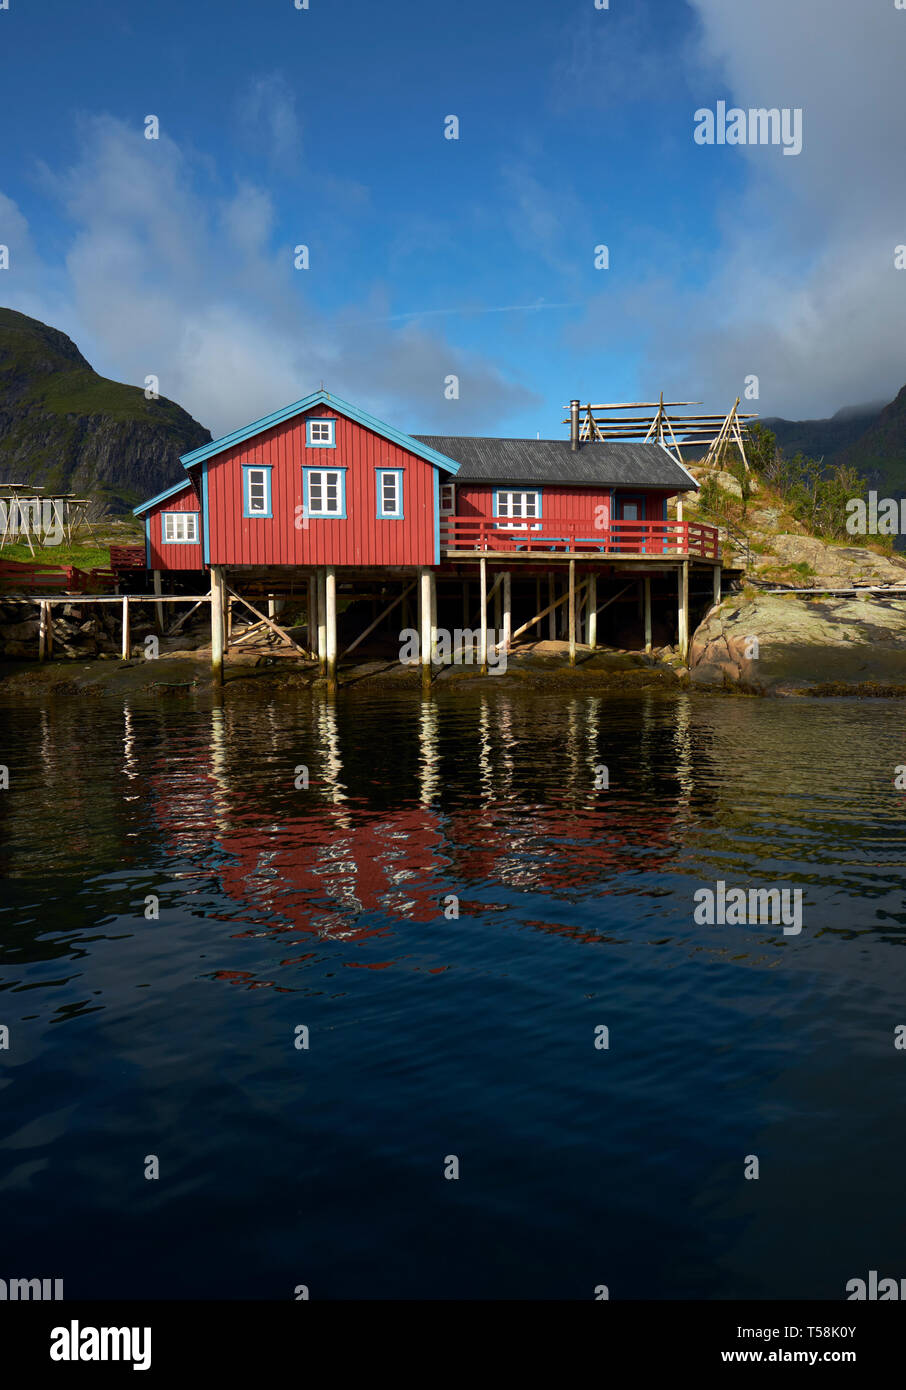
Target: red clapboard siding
point(563, 503)
point(175, 557)
point(286, 538)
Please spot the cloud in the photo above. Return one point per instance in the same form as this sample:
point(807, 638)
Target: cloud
point(269, 121)
point(805, 295)
point(161, 278)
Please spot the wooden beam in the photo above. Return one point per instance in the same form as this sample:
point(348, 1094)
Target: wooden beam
point(380, 618)
point(179, 621)
point(544, 612)
point(127, 636)
point(268, 622)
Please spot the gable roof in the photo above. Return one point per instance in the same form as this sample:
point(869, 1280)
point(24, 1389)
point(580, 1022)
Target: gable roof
point(609, 464)
point(405, 441)
point(162, 496)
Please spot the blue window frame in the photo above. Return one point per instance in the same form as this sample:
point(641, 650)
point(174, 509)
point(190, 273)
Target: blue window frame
point(324, 493)
point(320, 432)
point(390, 494)
point(179, 528)
point(256, 490)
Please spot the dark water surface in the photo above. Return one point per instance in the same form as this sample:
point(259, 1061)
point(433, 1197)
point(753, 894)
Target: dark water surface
point(432, 1036)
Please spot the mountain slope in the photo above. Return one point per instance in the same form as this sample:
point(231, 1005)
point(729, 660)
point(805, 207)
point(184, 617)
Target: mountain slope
point(65, 427)
point(824, 438)
point(872, 438)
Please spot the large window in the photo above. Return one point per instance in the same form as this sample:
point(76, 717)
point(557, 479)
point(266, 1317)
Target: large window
point(179, 528)
point(256, 484)
point(517, 506)
point(390, 494)
point(325, 492)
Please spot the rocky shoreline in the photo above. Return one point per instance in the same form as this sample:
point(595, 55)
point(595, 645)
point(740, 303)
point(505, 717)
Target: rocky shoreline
point(808, 642)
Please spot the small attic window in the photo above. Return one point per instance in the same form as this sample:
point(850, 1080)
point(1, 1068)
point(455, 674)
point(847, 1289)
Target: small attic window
point(320, 433)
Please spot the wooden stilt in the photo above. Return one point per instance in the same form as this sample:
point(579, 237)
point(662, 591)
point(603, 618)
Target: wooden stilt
point(507, 610)
point(647, 584)
point(127, 642)
point(592, 630)
point(311, 614)
point(483, 616)
point(716, 579)
point(322, 623)
point(572, 612)
point(683, 598)
point(433, 614)
point(216, 624)
point(158, 607)
point(551, 607)
point(330, 603)
point(425, 614)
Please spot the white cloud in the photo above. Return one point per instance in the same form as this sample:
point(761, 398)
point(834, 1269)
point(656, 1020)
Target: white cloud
point(159, 280)
point(806, 295)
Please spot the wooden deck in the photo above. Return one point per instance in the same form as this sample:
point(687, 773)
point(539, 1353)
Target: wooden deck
point(464, 538)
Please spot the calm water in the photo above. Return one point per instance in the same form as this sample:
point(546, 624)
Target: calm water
point(433, 1036)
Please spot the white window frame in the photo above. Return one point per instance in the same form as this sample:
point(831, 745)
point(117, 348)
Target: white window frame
point(394, 512)
point(451, 489)
point(251, 471)
point(517, 517)
point(339, 512)
point(190, 524)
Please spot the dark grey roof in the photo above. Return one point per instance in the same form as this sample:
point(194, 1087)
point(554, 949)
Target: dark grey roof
point(553, 461)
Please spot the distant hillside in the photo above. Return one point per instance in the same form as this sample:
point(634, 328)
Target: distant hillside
point(824, 438)
point(65, 427)
point(871, 438)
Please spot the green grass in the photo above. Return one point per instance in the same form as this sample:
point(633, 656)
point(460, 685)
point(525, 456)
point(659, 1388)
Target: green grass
point(82, 553)
point(84, 557)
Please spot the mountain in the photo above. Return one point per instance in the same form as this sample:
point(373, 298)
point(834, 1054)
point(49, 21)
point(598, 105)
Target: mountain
point(824, 438)
point(66, 428)
point(871, 438)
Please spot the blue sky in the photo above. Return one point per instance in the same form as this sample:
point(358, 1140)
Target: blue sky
point(472, 257)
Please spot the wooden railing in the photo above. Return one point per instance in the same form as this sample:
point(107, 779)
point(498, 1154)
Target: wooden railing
point(551, 535)
point(19, 577)
point(127, 557)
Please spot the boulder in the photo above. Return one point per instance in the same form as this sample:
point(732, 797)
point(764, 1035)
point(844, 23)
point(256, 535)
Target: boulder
point(776, 644)
point(837, 566)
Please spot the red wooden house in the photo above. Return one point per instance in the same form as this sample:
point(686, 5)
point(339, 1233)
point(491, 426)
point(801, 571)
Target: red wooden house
point(325, 492)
